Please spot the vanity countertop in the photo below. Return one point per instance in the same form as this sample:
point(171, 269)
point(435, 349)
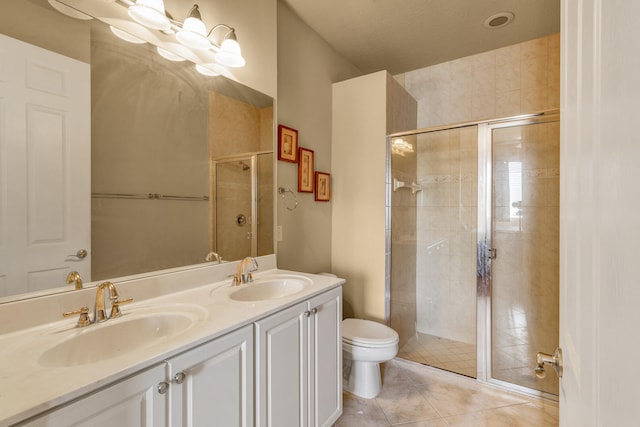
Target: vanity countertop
point(27, 387)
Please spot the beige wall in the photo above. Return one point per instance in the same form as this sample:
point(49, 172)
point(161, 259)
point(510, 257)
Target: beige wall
point(45, 28)
point(307, 67)
point(513, 80)
point(365, 110)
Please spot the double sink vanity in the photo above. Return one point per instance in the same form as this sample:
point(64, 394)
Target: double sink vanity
point(191, 348)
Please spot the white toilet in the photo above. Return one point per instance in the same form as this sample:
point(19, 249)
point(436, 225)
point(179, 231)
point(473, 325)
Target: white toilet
point(365, 344)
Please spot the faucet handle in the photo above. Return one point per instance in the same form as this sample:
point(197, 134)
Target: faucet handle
point(83, 320)
point(235, 281)
point(115, 307)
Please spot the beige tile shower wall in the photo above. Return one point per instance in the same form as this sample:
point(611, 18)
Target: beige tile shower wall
point(447, 233)
point(235, 128)
point(519, 79)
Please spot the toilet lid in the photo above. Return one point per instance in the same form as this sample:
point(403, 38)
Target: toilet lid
point(367, 333)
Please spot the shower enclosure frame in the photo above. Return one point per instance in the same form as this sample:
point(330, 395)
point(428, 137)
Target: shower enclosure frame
point(252, 158)
point(484, 236)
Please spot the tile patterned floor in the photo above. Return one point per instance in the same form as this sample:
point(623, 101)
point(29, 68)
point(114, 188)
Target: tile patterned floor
point(441, 353)
point(414, 395)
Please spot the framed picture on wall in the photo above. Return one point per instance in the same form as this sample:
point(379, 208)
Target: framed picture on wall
point(305, 171)
point(323, 187)
point(287, 144)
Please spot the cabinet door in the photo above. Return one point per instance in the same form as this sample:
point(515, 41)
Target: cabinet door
point(325, 358)
point(212, 385)
point(132, 402)
point(281, 368)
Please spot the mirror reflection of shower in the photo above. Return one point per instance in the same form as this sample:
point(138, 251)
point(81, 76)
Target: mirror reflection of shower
point(244, 183)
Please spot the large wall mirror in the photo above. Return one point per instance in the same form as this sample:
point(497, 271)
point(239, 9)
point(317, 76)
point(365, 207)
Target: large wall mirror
point(115, 161)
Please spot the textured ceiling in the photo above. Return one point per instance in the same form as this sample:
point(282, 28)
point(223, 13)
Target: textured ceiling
point(404, 35)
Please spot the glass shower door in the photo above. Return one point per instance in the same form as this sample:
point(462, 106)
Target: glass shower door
point(525, 236)
point(433, 236)
point(233, 204)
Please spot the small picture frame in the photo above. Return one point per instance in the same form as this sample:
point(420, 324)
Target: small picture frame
point(287, 144)
point(323, 187)
point(305, 171)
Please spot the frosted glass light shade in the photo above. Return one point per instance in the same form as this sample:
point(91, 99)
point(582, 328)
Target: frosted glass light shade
point(206, 70)
point(193, 34)
point(69, 11)
point(169, 55)
point(230, 54)
point(150, 13)
point(126, 36)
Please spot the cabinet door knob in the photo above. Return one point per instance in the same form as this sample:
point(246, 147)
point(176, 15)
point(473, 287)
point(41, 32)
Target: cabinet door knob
point(314, 310)
point(163, 387)
point(179, 377)
point(307, 313)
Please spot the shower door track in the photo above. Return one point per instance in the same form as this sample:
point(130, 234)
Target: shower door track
point(483, 285)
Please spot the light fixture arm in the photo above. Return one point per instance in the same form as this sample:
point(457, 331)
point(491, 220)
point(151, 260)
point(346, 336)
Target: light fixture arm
point(231, 34)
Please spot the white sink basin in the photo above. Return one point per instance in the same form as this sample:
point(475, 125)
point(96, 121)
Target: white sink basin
point(271, 287)
point(115, 337)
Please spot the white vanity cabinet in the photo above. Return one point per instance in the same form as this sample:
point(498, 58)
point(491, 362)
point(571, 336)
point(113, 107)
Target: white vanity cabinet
point(209, 385)
point(212, 385)
point(282, 370)
point(298, 364)
point(131, 402)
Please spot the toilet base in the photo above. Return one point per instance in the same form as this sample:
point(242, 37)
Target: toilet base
point(364, 379)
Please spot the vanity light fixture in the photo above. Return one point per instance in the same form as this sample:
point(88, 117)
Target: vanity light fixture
point(230, 53)
point(193, 33)
point(194, 42)
point(126, 36)
point(150, 13)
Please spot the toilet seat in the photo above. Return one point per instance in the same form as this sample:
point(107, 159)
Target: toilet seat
point(365, 333)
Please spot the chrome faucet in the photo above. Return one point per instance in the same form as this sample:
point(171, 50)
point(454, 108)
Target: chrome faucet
point(99, 314)
point(74, 277)
point(246, 267)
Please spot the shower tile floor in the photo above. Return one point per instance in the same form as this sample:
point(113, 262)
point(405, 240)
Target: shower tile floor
point(414, 395)
point(441, 353)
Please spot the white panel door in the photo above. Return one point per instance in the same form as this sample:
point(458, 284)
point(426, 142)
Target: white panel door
point(282, 368)
point(212, 385)
point(135, 402)
point(600, 201)
point(45, 120)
